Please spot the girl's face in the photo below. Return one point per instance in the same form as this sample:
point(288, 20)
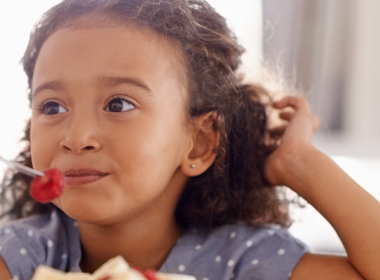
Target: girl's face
point(109, 112)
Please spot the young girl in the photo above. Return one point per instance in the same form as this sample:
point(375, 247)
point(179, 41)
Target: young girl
point(167, 155)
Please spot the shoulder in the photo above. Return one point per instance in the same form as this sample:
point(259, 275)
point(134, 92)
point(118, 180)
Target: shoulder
point(264, 240)
point(241, 251)
point(36, 240)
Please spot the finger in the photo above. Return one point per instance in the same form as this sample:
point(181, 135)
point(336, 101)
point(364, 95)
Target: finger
point(296, 102)
point(286, 115)
point(278, 131)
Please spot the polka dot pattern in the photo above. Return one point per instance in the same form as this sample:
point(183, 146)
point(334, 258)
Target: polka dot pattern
point(181, 268)
point(222, 254)
point(281, 251)
point(23, 241)
point(250, 245)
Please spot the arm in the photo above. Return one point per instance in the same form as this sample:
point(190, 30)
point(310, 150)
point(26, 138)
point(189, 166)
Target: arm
point(352, 212)
point(4, 272)
point(325, 267)
point(349, 209)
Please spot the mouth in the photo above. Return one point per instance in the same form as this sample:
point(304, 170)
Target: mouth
point(83, 176)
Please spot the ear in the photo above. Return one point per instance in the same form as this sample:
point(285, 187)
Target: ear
point(202, 151)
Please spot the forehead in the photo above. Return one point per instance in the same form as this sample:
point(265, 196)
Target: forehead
point(112, 44)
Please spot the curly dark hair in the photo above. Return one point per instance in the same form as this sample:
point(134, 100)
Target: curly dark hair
point(234, 188)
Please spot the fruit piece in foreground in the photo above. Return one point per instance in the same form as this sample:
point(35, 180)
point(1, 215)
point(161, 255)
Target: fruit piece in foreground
point(114, 269)
point(46, 188)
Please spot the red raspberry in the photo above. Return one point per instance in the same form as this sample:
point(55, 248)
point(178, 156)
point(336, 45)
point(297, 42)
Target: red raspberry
point(46, 188)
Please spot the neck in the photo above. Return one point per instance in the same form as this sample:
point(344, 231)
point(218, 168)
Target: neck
point(142, 246)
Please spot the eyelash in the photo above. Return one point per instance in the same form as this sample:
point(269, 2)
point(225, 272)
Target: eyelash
point(41, 107)
point(119, 97)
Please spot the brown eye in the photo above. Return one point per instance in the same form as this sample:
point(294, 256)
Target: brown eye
point(53, 108)
point(119, 105)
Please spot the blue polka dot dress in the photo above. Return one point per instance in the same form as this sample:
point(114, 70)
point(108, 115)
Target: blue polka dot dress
point(233, 251)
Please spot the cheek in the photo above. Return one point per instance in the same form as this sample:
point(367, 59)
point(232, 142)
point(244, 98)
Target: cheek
point(41, 146)
point(150, 147)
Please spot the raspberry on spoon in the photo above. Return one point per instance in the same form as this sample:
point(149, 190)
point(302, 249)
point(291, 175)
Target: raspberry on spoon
point(45, 186)
point(48, 187)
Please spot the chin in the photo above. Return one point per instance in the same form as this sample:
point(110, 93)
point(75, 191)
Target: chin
point(85, 211)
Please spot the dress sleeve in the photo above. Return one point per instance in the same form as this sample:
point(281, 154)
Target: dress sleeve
point(237, 252)
point(273, 255)
point(28, 243)
point(20, 251)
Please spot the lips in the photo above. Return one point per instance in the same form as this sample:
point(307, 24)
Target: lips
point(83, 176)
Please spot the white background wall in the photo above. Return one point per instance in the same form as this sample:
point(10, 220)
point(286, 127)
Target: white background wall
point(17, 17)
point(361, 135)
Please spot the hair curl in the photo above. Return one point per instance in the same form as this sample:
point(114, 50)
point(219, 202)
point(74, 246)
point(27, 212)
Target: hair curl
point(234, 187)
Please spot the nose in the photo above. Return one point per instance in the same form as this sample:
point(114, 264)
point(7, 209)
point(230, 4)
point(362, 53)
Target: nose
point(81, 134)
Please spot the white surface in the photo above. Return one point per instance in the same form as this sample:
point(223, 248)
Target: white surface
point(313, 229)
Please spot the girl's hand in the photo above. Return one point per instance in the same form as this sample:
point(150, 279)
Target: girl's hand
point(294, 141)
point(353, 212)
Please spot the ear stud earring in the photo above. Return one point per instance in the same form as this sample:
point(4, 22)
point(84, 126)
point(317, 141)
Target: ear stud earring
point(192, 166)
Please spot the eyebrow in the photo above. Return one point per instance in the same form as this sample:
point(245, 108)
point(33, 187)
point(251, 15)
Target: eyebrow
point(51, 85)
point(108, 82)
point(105, 82)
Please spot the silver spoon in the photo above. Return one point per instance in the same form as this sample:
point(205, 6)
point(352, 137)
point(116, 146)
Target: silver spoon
point(22, 168)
